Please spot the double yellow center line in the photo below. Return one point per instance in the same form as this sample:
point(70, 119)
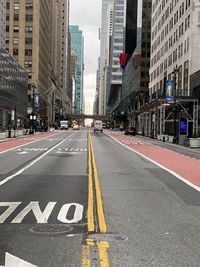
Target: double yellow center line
point(94, 204)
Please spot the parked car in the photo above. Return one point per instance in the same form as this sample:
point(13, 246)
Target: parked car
point(130, 130)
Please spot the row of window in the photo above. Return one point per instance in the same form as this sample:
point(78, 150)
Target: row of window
point(16, 17)
point(173, 38)
point(182, 81)
point(28, 6)
point(28, 41)
point(172, 58)
point(28, 29)
point(179, 13)
point(27, 52)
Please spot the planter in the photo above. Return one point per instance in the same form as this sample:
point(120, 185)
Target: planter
point(159, 137)
point(194, 142)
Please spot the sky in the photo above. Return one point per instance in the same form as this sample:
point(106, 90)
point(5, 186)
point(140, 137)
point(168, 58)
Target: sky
point(87, 14)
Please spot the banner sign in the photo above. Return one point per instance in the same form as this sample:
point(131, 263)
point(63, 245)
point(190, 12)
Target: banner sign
point(183, 126)
point(36, 101)
point(169, 91)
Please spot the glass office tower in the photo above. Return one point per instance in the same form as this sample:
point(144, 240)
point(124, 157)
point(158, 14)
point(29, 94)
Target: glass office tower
point(77, 46)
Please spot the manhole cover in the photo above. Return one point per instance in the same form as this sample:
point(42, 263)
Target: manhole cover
point(51, 229)
point(107, 237)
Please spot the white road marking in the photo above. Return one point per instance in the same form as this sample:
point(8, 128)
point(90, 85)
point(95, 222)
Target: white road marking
point(41, 216)
point(36, 140)
point(161, 166)
point(11, 207)
point(32, 163)
point(12, 261)
point(78, 213)
point(23, 152)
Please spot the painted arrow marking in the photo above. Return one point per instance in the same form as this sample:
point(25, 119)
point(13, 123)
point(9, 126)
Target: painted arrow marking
point(15, 261)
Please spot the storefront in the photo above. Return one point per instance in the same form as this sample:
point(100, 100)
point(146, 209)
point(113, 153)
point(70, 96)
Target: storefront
point(13, 92)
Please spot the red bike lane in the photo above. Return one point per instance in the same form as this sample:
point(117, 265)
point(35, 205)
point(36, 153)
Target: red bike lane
point(10, 144)
point(183, 167)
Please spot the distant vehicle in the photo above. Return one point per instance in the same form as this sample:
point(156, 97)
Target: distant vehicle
point(130, 130)
point(64, 125)
point(75, 127)
point(104, 125)
point(98, 126)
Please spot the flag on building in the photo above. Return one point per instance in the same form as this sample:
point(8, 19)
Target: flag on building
point(123, 60)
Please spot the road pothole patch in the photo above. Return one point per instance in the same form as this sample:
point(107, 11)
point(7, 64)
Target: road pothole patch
point(107, 237)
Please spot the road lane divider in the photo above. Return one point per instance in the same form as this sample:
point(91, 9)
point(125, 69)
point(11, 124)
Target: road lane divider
point(100, 212)
point(94, 204)
point(90, 192)
point(103, 256)
point(32, 162)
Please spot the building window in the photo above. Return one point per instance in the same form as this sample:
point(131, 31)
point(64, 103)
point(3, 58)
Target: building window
point(7, 5)
point(29, 6)
point(15, 52)
point(15, 40)
point(28, 52)
point(16, 29)
point(29, 17)
point(16, 5)
point(7, 17)
point(29, 29)
point(16, 17)
point(28, 41)
point(28, 63)
point(7, 28)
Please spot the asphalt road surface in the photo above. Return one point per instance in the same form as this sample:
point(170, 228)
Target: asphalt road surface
point(80, 199)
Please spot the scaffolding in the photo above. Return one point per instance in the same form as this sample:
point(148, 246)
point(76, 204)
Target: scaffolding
point(155, 116)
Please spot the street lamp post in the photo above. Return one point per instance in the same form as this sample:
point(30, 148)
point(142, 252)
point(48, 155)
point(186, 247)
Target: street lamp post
point(175, 71)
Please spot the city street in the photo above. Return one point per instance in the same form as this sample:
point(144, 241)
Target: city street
point(79, 198)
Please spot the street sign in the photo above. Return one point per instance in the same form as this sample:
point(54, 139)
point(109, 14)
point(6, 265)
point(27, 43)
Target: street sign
point(183, 126)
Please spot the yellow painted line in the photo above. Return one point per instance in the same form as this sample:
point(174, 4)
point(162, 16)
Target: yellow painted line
point(90, 213)
point(101, 217)
point(86, 256)
point(103, 256)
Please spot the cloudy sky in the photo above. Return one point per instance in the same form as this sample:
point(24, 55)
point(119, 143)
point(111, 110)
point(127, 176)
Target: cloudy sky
point(87, 14)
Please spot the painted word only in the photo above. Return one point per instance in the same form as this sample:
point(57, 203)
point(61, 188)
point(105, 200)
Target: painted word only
point(42, 216)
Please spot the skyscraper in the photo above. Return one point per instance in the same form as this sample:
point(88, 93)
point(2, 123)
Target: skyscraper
point(105, 38)
point(3, 23)
point(36, 38)
point(117, 47)
point(77, 46)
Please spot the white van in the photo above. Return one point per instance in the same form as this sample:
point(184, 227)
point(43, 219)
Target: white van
point(98, 126)
point(64, 125)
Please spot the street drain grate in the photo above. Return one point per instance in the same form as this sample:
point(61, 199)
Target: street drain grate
point(51, 229)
